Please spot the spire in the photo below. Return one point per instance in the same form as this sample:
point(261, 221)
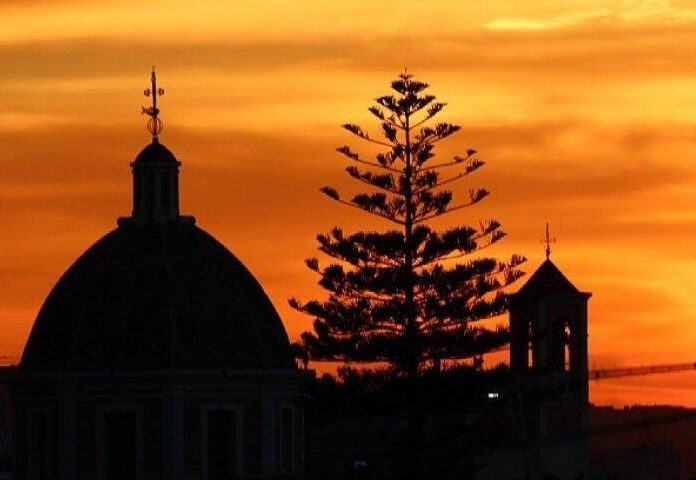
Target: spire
point(548, 241)
point(154, 124)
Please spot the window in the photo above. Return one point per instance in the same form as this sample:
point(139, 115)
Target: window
point(530, 343)
point(558, 345)
point(286, 441)
point(165, 192)
point(38, 439)
point(221, 442)
point(567, 339)
point(121, 444)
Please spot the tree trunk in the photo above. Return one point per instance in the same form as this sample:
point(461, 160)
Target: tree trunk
point(414, 402)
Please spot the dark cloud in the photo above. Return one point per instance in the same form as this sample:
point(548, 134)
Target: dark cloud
point(46, 159)
point(616, 50)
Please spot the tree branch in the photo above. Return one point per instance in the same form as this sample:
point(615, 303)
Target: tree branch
point(443, 182)
point(345, 150)
point(344, 202)
point(454, 161)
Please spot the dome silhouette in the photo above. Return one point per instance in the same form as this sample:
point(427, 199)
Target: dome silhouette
point(157, 292)
point(157, 354)
point(157, 296)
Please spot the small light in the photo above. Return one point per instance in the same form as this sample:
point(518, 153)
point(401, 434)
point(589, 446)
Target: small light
point(492, 395)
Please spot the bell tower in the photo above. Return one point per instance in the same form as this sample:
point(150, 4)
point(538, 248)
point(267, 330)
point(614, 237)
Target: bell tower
point(548, 358)
point(548, 326)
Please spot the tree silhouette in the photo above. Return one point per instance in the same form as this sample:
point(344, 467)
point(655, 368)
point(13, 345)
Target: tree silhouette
point(410, 296)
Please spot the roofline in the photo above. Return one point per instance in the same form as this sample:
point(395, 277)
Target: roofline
point(518, 295)
point(156, 373)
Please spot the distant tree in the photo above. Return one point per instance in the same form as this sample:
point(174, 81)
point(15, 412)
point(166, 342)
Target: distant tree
point(411, 296)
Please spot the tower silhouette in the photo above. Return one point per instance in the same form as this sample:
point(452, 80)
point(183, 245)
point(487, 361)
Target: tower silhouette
point(548, 358)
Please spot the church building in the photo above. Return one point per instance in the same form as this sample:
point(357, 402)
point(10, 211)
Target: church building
point(157, 355)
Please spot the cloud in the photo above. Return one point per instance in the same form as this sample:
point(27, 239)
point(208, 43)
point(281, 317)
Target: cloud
point(548, 23)
point(608, 49)
point(529, 170)
point(626, 12)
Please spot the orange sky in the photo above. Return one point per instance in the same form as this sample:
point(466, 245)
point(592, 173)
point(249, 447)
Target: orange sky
point(584, 110)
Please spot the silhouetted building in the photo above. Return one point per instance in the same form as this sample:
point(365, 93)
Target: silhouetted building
point(6, 429)
point(548, 356)
point(157, 355)
point(549, 396)
point(643, 443)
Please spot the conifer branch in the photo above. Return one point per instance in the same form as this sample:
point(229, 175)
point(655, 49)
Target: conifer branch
point(385, 189)
point(345, 150)
point(456, 161)
point(475, 195)
point(432, 111)
point(379, 214)
point(419, 220)
point(444, 182)
point(359, 132)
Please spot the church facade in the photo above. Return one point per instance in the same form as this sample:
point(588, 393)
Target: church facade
point(157, 355)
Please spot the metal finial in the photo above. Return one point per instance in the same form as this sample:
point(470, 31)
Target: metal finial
point(548, 241)
point(154, 124)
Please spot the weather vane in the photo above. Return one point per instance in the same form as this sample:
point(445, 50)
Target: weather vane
point(154, 124)
point(548, 241)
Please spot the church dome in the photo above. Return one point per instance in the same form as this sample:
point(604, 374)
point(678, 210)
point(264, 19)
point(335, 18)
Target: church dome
point(157, 292)
point(156, 296)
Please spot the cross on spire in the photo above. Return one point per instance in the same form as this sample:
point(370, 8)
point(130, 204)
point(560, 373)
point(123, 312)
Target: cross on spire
point(548, 240)
point(154, 124)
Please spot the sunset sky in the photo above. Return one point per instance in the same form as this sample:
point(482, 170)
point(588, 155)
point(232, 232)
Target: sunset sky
point(584, 110)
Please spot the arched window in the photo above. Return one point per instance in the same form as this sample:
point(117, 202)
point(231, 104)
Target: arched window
point(567, 337)
point(120, 442)
point(561, 356)
point(221, 442)
point(121, 437)
point(286, 440)
point(39, 451)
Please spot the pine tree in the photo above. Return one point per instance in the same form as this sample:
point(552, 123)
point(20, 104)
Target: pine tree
point(410, 296)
